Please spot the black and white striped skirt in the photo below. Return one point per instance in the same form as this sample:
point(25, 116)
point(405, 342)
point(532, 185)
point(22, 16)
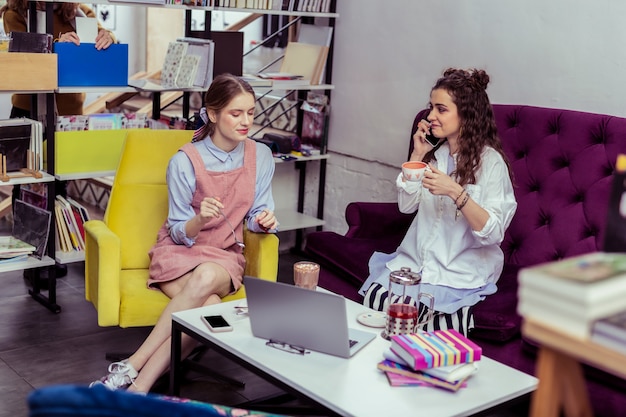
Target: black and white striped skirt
point(461, 320)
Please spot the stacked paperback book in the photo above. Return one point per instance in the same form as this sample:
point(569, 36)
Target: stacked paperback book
point(70, 217)
point(12, 249)
point(441, 358)
point(572, 294)
point(611, 332)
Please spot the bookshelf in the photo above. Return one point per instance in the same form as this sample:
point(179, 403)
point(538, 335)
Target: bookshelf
point(22, 69)
point(34, 74)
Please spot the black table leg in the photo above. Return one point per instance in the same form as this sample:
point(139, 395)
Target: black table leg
point(175, 363)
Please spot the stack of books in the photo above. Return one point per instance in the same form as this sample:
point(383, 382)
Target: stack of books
point(572, 294)
point(441, 358)
point(12, 248)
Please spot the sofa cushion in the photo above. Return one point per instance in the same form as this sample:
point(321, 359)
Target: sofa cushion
point(99, 401)
point(347, 257)
point(496, 318)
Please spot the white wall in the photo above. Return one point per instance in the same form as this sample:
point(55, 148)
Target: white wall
point(562, 54)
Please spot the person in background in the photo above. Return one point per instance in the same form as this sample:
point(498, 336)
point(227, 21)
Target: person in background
point(15, 18)
point(464, 204)
point(221, 176)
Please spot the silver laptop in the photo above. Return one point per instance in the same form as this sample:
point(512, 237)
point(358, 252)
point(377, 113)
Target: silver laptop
point(304, 318)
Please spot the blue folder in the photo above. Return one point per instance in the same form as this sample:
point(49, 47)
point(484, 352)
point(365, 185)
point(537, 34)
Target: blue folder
point(83, 65)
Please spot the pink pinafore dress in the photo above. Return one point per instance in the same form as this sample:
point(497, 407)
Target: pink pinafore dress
point(215, 242)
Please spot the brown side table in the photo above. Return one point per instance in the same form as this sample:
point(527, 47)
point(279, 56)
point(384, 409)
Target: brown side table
point(559, 369)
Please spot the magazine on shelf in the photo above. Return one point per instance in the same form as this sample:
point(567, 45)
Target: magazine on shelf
point(10, 247)
point(188, 63)
point(31, 224)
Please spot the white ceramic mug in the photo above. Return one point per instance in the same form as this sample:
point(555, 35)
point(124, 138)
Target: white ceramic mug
point(414, 170)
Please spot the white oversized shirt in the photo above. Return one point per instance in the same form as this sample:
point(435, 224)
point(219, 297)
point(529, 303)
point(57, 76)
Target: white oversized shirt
point(442, 245)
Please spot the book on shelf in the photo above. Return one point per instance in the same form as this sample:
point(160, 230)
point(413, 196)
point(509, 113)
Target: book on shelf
point(610, 331)
point(390, 367)
point(11, 246)
point(532, 302)
point(31, 224)
point(279, 76)
point(71, 234)
point(556, 319)
point(63, 242)
point(316, 35)
point(188, 63)
point(228, 53)
point(30, 42)
point(197, 66)
point(104, 121)
point(436, 348)
point(306, 60)
point(609, 341)
point(35, 194)
point(588, 279)
point(255, 81)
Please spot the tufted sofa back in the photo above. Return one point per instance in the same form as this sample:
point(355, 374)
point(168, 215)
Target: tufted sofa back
point(562, 162)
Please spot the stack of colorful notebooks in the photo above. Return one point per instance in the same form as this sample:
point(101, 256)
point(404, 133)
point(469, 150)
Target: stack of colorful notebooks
point(442, 358)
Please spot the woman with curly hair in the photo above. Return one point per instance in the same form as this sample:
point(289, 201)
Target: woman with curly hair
point(464, 204)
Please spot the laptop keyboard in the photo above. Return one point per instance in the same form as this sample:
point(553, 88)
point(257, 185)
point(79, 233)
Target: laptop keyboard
point(352, 342)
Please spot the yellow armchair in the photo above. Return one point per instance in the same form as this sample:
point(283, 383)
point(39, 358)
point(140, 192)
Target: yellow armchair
point(116, 255)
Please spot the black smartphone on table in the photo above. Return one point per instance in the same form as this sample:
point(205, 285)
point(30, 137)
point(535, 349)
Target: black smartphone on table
point(217, 323)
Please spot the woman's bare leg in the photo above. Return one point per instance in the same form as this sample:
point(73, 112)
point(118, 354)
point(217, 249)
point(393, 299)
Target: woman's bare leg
point(204, 285)
point(159, 362)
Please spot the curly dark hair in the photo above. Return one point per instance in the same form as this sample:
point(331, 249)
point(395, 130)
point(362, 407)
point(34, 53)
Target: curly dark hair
point(468, 90)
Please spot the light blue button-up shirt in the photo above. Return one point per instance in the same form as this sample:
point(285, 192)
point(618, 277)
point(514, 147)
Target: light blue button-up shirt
point(181, 182)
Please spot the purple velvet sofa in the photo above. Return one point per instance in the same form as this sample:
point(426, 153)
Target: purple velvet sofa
point(563, 162)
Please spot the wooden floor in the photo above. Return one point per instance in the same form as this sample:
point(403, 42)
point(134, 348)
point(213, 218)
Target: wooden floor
point(39, 348)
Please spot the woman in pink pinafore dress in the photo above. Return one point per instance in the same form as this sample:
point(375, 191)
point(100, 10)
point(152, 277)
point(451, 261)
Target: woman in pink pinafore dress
point(221, 177)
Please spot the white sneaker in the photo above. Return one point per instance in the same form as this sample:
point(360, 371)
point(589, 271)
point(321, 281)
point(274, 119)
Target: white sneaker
point(121, 376)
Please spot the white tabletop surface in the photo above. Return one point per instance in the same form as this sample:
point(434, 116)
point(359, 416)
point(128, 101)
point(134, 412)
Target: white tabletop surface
point(355, 387)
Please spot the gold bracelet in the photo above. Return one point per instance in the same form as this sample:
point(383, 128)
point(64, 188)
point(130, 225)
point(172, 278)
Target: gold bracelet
point(460, 206)
point(459, 196)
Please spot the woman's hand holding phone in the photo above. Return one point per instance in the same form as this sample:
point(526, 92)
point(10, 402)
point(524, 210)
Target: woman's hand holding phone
point(421, 143)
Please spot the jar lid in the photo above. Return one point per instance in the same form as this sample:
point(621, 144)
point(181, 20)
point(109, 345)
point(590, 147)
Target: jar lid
point(405, 277)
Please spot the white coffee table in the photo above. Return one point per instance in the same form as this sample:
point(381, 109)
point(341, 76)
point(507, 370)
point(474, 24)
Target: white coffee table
point(346, 387)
